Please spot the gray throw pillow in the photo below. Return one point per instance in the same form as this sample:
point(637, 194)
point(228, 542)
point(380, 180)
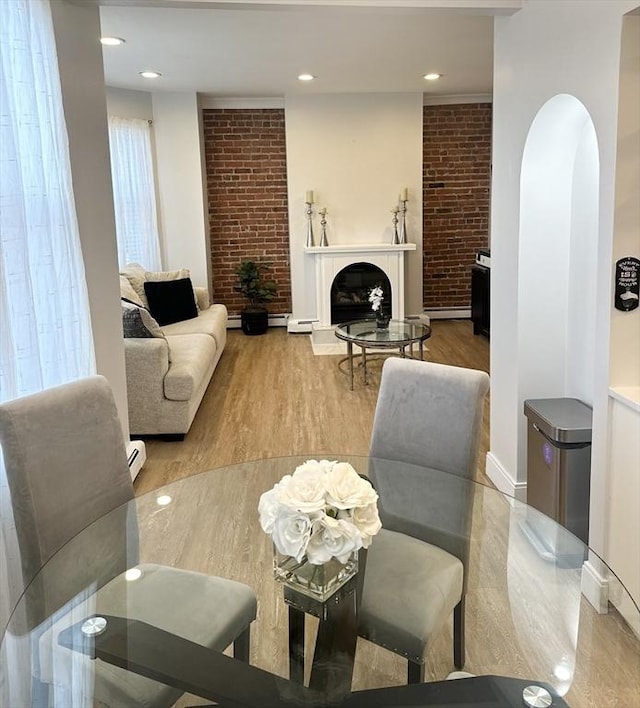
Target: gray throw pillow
point(138, 322)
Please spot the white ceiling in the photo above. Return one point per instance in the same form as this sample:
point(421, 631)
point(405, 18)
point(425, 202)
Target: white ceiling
point(259, 49)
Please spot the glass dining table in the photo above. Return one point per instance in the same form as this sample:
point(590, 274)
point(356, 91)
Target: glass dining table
point(532, 637)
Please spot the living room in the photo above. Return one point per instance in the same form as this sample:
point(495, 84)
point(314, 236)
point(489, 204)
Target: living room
point(543, 281)
point(516, 41)
point(533, 271)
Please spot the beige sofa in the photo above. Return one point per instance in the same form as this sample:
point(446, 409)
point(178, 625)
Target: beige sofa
point(169, 372)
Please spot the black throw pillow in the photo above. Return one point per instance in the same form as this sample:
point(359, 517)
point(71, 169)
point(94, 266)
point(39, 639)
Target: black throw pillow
point(170, 300)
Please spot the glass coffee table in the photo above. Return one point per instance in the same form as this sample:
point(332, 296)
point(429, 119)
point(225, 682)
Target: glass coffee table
point(399, 335)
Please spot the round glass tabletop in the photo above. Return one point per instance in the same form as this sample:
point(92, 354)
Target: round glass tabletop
point(528, 622)
point(399, 333)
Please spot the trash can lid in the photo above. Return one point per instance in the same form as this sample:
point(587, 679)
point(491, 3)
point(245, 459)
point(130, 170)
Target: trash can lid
point(565, 420)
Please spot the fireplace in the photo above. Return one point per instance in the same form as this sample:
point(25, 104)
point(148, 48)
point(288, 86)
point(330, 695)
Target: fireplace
point(350, 292)
point(330, 261)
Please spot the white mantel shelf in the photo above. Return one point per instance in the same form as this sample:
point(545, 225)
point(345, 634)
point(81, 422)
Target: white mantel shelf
point(361, 248)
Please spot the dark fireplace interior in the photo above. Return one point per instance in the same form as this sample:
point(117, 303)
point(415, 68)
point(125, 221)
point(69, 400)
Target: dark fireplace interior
point(350, 292)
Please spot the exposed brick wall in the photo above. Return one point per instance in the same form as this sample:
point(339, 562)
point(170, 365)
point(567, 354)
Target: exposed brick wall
point(456, 188)
point(247, 197)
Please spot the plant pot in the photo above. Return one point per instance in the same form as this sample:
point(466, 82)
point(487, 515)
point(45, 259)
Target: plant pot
point(254, 320)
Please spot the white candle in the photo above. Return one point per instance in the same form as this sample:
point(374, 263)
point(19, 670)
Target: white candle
point(309, 196)
point(403, 194)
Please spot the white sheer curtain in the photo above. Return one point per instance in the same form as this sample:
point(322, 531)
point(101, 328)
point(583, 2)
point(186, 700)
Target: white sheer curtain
point(45, 326)
point(134, 192)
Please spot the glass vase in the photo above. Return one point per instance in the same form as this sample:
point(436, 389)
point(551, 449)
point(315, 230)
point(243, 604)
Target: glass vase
point(316, 581)
point(382, 320)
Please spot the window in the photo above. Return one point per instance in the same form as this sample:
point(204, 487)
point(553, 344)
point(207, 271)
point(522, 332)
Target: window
point(45, 327)
point(134, 192)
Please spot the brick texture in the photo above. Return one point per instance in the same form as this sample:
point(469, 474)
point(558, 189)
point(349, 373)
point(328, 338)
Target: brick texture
point(456, 189)
point(246, 170)
point(247, 199)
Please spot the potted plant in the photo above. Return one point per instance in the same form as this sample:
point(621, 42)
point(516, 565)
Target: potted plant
point(251, 283)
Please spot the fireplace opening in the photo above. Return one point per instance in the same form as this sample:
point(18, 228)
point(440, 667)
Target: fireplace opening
point(350, 292)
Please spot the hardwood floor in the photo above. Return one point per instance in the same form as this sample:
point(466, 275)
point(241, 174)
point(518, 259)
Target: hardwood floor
point(271, 397)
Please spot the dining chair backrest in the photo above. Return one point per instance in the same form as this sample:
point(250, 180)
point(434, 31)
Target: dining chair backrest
point(66, 466)
point(430, 415)
point(424, 450)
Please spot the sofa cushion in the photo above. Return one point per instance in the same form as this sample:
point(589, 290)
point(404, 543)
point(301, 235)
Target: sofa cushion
point(192, 359)
point(127, 291)
point(138, 322)
point(212, 321)
point(171, 300)
point(160, 275)
point(135, 274)
point(202, 297)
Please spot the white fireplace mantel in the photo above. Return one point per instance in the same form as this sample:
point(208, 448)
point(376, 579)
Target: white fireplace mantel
point(361, 248)
point(330, 260)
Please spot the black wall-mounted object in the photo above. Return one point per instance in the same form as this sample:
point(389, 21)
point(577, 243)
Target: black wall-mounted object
point(627, 294)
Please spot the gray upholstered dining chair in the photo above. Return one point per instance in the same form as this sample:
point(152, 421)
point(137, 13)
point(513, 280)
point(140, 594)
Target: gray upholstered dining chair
point(67, 467)
point(426, 432)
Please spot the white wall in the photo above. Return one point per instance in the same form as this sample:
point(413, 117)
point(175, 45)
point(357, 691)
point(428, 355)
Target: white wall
point(81, 73)
point(356, 152)
point(557, 256)
point(625, 326)
point(126, 103)
point(544, 50)
point(182, 205)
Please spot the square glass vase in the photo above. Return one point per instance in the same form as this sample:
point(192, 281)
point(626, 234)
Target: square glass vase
point(316, 581)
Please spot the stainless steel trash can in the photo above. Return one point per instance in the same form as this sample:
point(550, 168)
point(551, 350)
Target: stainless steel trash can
point(559, 466)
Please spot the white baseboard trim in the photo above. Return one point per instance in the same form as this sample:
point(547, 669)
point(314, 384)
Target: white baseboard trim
point(595, 587)
point(274, 321)
point(503, 480)
point(136, 456)
point(300, 326)
point(458, 313)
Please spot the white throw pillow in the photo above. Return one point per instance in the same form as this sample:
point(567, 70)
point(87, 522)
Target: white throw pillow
point(135, 274)
point(127, 291)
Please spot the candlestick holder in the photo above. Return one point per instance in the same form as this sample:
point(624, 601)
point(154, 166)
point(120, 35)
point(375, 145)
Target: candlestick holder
point(402, 237)
point(309, 213)
point(323, 224)
point(396, 239)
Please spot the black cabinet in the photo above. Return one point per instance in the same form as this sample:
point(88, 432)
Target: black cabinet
point(480, 294)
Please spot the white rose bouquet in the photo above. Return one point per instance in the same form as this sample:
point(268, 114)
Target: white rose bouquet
point(323, 510)
point(376, 296)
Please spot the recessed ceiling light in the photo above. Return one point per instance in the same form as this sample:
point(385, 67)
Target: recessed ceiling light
point(306, 77)
point(150, 74)
point(112, 41)
point(432, 77)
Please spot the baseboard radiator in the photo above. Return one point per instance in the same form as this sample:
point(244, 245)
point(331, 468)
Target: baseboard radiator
point(136, 457)
point(274, 321)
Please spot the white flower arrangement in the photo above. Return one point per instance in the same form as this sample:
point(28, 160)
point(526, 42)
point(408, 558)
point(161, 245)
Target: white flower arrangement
point(376, 296)
point(323, 510)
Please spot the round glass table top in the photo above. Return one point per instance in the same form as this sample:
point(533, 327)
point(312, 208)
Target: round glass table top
point(399, 333)
point(528, 622)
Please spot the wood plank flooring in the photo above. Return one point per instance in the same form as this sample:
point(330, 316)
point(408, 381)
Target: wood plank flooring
point(271, 397)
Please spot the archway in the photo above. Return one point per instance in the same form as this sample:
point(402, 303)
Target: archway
point(557, 264)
